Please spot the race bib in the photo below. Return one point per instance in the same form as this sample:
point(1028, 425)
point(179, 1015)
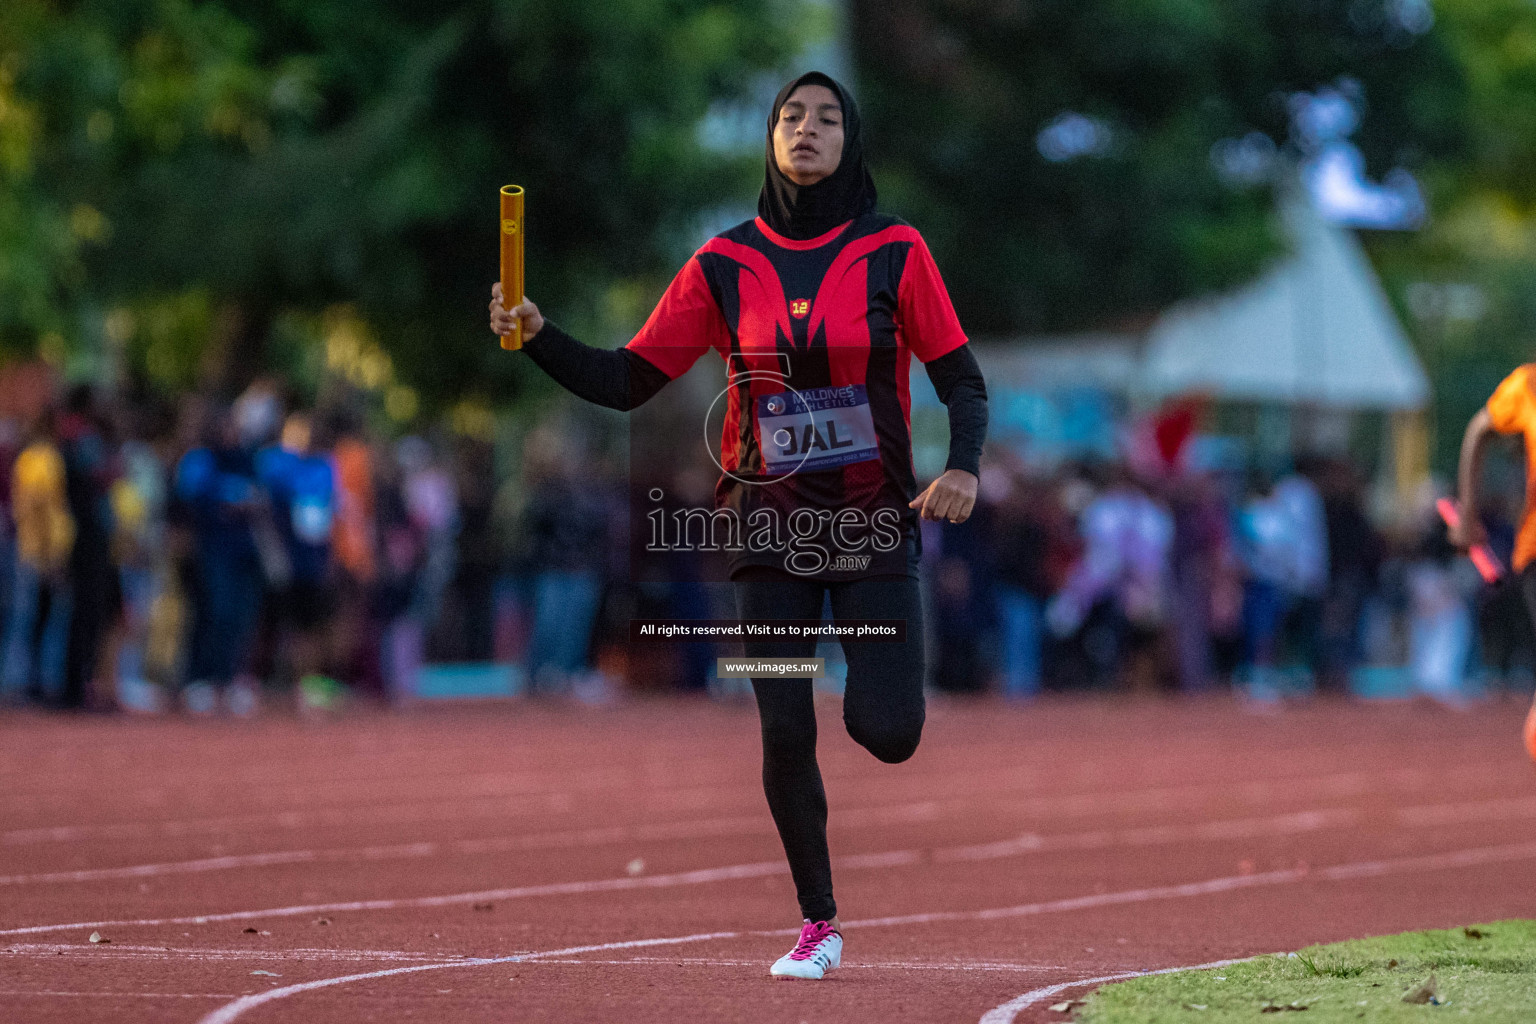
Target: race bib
point(816, 429)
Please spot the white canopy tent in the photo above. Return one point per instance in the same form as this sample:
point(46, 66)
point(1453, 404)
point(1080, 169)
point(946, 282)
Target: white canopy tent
point(1316, 329)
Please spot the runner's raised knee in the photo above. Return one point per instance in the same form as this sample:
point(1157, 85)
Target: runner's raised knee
point(891, 742)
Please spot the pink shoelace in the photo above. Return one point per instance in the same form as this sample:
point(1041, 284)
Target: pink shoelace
point(811, 935)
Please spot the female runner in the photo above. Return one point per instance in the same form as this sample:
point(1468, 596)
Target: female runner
point(817, 306)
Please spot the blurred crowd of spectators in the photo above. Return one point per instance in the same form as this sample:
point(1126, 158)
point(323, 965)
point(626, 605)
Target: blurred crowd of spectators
point(1174, 572)
point(194, 553)
point(1098, 576)
point(211, 556)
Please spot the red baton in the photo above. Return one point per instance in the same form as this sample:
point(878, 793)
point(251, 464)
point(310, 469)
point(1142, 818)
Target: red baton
point(1482, 556)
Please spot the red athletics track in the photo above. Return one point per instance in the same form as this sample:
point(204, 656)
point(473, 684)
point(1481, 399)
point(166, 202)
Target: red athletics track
point(1020, 850)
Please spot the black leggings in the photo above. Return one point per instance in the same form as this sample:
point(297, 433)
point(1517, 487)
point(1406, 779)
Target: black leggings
point(882, 707)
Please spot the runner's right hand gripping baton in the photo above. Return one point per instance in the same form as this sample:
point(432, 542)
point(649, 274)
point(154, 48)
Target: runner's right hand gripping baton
point(512, 259)
point(1482, 556)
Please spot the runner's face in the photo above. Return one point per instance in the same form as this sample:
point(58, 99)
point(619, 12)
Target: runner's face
point(808, 139)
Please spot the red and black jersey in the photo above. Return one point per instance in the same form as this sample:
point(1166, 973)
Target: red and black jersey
point(818, 337)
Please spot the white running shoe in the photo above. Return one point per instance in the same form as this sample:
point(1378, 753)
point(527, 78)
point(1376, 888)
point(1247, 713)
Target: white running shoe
point(819, 950)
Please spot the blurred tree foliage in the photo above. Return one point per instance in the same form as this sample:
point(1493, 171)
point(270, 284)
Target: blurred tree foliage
point(958, 93)
point(1467, 284)
point(237, 181)
point(200, 188)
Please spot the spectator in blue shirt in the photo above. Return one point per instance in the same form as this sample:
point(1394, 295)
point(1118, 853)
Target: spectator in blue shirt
point(302, 484)
point(222, 502)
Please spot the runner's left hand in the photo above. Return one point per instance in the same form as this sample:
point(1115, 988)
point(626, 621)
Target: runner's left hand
point(950, 497)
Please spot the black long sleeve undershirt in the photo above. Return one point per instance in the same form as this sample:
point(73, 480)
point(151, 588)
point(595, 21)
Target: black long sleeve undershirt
point(614, 378)
point(623, 380)
point(959, 384)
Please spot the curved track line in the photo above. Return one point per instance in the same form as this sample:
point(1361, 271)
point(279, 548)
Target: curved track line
point(1338, 872)
point(1005, 1013)
point(227, 1013)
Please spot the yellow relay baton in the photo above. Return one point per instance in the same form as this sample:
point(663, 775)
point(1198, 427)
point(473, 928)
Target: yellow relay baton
point(512, 259)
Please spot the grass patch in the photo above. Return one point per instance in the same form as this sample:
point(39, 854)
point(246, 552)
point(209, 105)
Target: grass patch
point(1485, 973)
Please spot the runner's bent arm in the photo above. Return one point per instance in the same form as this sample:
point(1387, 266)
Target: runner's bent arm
point(1468, 528)
point(1507, 411)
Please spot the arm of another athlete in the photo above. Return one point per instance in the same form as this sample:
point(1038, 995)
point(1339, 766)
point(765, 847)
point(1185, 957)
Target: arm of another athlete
point(615, 378)
point(1511, 409)
point(1468, 530)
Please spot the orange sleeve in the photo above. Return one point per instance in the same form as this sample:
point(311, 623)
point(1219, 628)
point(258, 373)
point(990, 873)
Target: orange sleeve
point(1509, 409)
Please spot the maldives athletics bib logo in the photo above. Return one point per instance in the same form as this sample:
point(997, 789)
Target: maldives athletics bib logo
point(800, 308)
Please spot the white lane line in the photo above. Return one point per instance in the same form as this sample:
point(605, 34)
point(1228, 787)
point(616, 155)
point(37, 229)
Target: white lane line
point(404, 851)
point(1005, 1013)
point(1189, 796)
point(1429, 862)
point(153, 953)
point(711, 827)
point(248, 860)
point(1361, 869)
point(1342, 872)
point(698, 828)
point(1237, 828)
point(137, 952)
point(436, 810)
point(1461, 813)
point(702, 876)
point(120, 995)
point(1285, 824)
point(415, 789)
point(924, 810)
point(755, 824)
point(227, 1013)
point(699, 961)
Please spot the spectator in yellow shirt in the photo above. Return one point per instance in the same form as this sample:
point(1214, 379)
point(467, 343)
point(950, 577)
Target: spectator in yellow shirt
point(45, 535)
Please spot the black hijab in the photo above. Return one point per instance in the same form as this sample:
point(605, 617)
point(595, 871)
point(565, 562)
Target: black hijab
point(806, 211)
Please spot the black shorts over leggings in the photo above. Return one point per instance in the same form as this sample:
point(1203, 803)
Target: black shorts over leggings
point(882, 706)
